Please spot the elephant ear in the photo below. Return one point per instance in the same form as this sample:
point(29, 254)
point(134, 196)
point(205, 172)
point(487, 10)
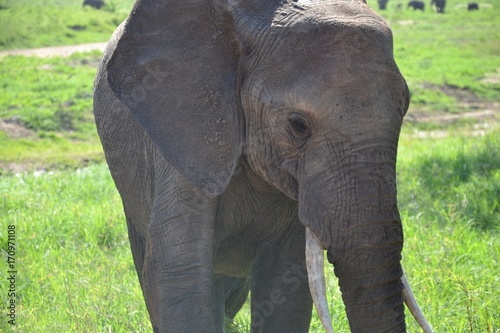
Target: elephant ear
point(174, 67)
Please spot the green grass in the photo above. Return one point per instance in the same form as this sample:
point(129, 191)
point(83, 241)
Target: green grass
point(76, 272)
point(446, 57)
point(73, 258)
point(53, 99)
point(449, 193)
point(49, 95)
point(51, 152)
point(37, 23)
point(462, 179)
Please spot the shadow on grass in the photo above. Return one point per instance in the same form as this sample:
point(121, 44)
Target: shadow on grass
point(466, 182)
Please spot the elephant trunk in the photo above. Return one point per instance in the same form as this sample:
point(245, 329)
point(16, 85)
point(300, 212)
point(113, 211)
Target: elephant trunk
point(370, 282)
point(354, 216)
point(315, 272)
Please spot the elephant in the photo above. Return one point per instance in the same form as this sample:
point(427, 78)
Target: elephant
point(382, 4)
point(440, 4)
point(246, 138)
point(97, 4)
point(472, 6)
point(416, 4)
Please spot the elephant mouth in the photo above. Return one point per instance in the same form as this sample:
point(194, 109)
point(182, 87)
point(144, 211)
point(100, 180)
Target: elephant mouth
point(317, 286)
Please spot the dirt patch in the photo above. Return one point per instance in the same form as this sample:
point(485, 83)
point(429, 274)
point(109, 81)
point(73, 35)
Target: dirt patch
point(15, 130)
point(406, 22)
point(492, 78)
point(483, 115)
point(16, 168)
point(469, 106)
point(55, 51)
point(461, 95)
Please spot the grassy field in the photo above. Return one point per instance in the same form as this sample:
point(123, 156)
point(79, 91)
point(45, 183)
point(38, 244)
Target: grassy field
point(75, 271)
point(36, 23)
point(447, 59)
point(47, 104)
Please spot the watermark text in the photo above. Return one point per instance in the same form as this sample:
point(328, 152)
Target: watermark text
point(11, 274)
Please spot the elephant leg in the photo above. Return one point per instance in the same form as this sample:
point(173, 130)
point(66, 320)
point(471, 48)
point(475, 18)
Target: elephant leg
point(177, 272)
point(138, 248)
point(281, 300)
point(235, 294)
point(219, 306)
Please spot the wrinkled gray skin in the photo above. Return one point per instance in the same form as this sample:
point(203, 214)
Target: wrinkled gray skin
point(230, 126)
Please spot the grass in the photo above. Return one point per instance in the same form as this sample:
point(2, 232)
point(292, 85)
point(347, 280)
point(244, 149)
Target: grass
point(449, 192)
point(69, 234)
point(75, 270)
point(50, 100)
point(36, 23)
point(445, 58)
point(52, 95)
point(462, 179)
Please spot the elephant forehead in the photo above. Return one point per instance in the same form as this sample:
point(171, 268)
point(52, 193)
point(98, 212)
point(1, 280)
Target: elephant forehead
point(324, 41)
point(324, 54)
point(316, 46)
point(331, 82)
point(306, 16)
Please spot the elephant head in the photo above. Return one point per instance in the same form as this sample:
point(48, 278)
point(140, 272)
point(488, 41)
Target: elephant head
point(308, 92)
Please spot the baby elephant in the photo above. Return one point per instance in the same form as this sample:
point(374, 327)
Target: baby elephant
point(416, 5)
point(97, 4)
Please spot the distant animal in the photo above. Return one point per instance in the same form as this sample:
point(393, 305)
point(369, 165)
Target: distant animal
point(382, 4)
point(97, 4)
point(440, 4)
point(416, 4)
point(472, 6)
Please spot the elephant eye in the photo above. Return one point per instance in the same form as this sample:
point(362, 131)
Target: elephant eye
point(299, 126)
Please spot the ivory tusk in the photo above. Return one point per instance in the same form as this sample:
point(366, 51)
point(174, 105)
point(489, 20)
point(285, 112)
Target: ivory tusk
point(316, 277)
point(412, 305)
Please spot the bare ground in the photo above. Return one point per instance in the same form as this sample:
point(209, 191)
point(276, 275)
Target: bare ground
point(55, 51)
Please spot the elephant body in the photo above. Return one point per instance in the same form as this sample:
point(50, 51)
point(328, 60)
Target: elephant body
point(439, 4)
point(97, 4)
point(472, 6)
point(255, 234)
point(382, 4)
point(415, 4)
point(241, 133)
